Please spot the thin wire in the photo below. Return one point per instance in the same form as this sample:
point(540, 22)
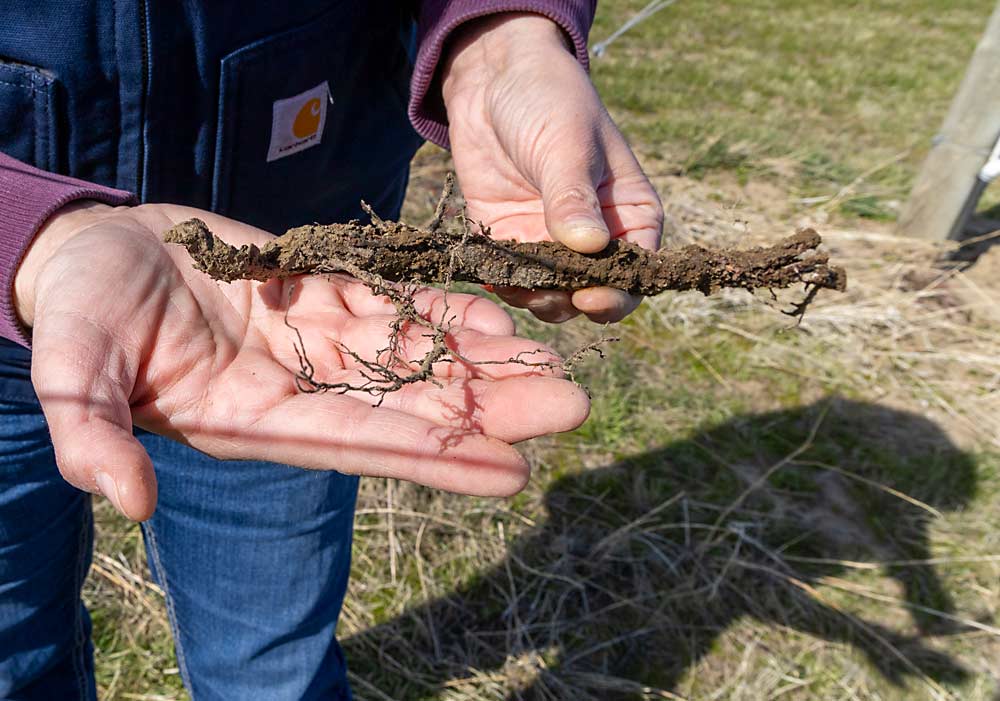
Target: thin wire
point(641, 16)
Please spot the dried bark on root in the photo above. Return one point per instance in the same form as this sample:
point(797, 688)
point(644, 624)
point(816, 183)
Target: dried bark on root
point(397, 252)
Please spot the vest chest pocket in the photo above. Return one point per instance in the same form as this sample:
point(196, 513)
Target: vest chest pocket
point(312, 120)
point(27, 115)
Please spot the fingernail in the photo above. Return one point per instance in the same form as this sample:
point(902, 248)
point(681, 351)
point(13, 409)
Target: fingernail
point(109, 489)
point(601, 299)
point(584, 237)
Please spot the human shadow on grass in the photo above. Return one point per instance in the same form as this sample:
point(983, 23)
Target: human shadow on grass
point(639, 566)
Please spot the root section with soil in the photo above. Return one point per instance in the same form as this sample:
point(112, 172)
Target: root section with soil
point(383, 253)
point(400, 253)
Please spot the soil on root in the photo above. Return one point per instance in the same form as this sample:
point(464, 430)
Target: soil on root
point(397, 252)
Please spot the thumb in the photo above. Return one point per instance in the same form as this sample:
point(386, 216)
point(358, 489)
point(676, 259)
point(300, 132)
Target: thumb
point(573, 211)
point(83, 385)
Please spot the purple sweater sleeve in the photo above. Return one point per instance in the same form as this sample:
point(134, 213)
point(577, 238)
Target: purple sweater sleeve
point(28, 197)
point(438, 18)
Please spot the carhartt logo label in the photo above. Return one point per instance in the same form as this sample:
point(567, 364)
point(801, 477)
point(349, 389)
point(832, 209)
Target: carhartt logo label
point(298, 122)
point(307, 120)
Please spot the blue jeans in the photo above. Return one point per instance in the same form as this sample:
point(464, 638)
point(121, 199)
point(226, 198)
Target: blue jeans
point(253, 558)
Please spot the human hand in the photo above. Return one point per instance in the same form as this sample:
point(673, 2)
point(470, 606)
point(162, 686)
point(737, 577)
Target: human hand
point(126, 333)
point(538, 157)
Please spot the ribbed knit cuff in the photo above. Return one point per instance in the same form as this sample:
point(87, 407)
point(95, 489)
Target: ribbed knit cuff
point(28, 197)
point(439, 18)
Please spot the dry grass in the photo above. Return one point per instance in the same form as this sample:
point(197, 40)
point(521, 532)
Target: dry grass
point(134, 650)
point(756, 509)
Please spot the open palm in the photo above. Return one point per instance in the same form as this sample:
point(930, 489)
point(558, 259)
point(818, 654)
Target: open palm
point(127, 333)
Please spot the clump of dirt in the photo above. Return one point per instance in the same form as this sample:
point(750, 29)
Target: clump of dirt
point(397, 252)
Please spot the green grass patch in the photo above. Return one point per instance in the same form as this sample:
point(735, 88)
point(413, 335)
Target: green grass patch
point(861, 87)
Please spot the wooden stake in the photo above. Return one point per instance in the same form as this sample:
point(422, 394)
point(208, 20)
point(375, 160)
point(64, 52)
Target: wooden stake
point(948, 188)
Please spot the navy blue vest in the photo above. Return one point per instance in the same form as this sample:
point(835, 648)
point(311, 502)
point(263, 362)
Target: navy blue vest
point(176, 100)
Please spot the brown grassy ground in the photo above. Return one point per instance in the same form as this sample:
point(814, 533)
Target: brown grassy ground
point(756, 509)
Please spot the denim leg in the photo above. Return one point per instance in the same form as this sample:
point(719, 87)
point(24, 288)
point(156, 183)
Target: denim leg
point(254, 559)
point(46, 534)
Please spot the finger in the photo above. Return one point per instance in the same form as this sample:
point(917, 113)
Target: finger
point(630, 204)
point(514, 296)
point(497, 408)
point(465, 310)
point(638, 224)
point(368, 337)
point(551, 306)
point(601, 304)
point(573, 213)
point(82, 380)
point(605, 305)
point(333, 432)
